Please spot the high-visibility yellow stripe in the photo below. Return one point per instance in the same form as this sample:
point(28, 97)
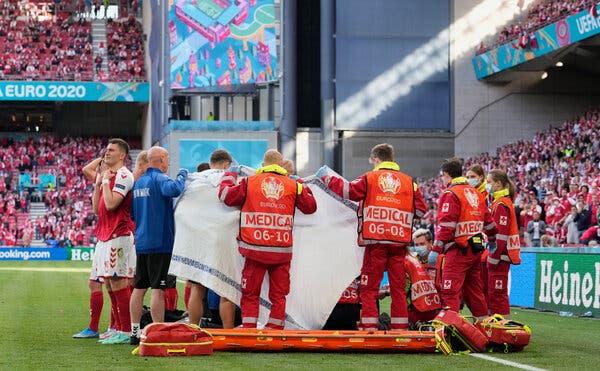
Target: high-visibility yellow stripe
point(174, 344)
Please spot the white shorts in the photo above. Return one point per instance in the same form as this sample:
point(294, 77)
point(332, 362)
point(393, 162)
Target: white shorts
point(114, 259)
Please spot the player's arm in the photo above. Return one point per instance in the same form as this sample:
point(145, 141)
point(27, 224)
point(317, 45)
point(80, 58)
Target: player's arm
point(96, 194)
point(89, 170)
point(123, 184)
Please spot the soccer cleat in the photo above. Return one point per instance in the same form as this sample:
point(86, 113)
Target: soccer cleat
point(134, 340)
point(86, 334)
point(107, 333)
point(117, 338)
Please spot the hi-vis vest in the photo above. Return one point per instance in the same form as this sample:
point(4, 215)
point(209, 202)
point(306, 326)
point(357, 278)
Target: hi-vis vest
point(472, 212)
point(387, 212)
point(513, 244)
point(267, 216)
point(423, 293)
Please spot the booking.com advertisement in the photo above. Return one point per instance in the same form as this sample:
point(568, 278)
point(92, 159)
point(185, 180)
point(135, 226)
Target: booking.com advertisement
point(222, 42)
point(244, 152)
point(550, 38)
point(74, 91)
point(50, 253)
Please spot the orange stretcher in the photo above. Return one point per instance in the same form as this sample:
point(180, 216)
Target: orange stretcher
point(323, 340)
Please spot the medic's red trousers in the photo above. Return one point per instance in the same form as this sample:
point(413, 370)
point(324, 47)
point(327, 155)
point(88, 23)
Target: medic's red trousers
point(378, 258)
point(279, 286)
point(461, 274)
point(497, 294)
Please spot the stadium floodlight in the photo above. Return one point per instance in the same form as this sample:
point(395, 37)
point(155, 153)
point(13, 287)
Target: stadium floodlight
point(544, 75)
point(428, 59)
point(559, 64)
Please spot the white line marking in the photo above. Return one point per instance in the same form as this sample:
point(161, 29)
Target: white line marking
point(49, 269)
point(505, 362)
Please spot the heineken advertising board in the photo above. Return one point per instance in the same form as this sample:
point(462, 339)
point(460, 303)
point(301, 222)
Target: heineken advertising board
point(568, 282)
point(80, 253)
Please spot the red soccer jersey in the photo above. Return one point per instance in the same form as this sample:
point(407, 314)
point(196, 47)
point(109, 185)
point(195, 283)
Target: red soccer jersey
point(116, 223)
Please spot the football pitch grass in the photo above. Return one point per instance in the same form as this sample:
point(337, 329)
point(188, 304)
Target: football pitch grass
point(42, 304)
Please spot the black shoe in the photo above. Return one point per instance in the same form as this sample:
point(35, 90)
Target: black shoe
point(134, 340)
point(385, 322)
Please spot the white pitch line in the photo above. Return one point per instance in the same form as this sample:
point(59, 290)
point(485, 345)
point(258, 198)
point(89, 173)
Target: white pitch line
point(49, 269)
point(505, 362)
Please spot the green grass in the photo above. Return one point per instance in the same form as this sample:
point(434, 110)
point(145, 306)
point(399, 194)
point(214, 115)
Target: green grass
point(40, 311)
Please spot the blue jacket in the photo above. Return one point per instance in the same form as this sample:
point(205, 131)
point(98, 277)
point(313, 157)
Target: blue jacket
point(152, 211)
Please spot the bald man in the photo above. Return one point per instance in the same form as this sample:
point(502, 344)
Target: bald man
point(152, 212)
point(269, 195)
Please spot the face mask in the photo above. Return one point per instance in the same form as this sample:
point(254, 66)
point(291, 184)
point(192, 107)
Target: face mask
point(473, 182)
point(421, 251)
point(488, 188)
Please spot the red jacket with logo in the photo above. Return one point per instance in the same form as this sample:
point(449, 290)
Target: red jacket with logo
point(423, 293)
point(386, 223)
point(454, 225)
point(508, 244)
point(268, 201)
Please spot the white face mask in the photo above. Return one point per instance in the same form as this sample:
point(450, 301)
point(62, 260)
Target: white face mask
point(488, 188)
point(421, 251)
point(473, 182)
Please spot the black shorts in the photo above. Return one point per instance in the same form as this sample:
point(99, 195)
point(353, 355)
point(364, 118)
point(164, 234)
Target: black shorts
point(171, 281)
point(152, 271)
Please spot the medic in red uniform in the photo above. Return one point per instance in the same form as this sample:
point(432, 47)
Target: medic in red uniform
point(508, 249)
point(463, 217)
point(389, 201)
point(268, 200)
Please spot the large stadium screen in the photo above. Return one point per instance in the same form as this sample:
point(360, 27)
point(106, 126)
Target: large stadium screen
point(217, 43)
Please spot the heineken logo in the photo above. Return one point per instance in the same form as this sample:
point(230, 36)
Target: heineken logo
point(568, 284)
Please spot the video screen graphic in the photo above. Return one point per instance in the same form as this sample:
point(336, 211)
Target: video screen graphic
point(222, 42)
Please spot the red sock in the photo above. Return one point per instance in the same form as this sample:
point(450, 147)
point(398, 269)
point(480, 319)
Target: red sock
point(96, 303)
point(186, 295)
point(113, 318)
point(171, 297)
point(114, 315)
point(124, 317)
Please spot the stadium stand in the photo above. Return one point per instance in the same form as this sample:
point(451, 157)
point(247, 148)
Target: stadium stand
point(56, 44)
point(43, 191)
point(539, 14)
point(125, 49)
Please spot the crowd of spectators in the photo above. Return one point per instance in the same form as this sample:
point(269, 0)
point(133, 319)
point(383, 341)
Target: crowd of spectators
point(557, 178)
point(125, 53)
point(39, 44)
point(68, 219)
point(539, 14)
point(37, 47)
